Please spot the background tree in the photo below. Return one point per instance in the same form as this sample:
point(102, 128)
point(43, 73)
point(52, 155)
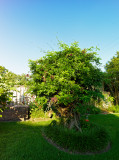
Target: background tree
point(112, 77)
point(4, 87)
point(67, 79)
point(9, 82)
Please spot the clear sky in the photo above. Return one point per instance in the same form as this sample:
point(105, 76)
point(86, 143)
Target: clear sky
point(29, 27)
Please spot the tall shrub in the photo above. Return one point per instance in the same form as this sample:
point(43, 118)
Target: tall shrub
point(67, 79)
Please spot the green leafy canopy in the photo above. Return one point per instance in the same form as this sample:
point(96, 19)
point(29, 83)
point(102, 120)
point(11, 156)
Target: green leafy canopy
point(71, 75)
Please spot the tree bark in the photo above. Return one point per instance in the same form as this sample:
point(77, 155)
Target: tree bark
point(75, 122)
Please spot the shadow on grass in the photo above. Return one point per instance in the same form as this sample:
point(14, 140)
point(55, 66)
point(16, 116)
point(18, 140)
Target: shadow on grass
point(24, 141)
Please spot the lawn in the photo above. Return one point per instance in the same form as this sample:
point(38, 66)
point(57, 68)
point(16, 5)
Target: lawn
point(23, 141)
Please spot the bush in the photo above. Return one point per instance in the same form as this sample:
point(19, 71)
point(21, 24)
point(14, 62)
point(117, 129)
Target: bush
point(37, 111)
point(113, 108)
point(105, 103)
point(93, 138)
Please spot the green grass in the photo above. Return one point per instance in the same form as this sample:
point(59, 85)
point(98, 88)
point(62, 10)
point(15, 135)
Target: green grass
point(23, 141)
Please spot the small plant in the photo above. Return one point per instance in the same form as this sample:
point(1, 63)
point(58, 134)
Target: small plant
point(39, 109)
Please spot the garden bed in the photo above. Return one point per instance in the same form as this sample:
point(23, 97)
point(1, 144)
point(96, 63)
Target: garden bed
point(93, 139)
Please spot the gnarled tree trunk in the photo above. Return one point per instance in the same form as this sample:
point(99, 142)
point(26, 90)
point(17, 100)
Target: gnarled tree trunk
point(75, 122)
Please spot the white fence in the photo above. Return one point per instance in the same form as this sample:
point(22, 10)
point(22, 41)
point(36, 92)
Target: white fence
point(20, 96)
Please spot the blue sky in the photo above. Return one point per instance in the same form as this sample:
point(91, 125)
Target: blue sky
point(30, 27)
